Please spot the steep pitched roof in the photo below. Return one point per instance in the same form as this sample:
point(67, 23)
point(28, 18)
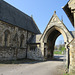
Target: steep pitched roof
point(15, 17)
point(69, 13)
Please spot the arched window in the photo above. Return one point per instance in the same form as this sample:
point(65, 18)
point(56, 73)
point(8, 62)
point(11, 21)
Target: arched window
point(6, 37)
point(21, 40)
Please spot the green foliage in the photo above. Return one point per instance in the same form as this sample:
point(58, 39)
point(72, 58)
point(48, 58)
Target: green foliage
point(65, 74)
point(57, 52)
point(63, 48)
point(60, 47)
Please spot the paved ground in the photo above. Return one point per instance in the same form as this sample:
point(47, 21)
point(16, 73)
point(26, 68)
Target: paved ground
point(50, 67)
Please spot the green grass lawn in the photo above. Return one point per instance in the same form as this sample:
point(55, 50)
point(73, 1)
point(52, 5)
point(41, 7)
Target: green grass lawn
point(57, 52)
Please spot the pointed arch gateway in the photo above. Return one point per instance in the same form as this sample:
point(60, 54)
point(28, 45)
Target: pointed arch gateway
point(54, 28)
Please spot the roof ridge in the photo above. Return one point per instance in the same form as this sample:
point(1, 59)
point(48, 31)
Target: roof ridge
point(14, 16)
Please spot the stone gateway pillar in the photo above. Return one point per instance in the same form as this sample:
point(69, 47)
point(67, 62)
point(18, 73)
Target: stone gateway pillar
point(72, 58)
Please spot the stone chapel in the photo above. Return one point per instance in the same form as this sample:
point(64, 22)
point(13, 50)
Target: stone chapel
point(21, 38)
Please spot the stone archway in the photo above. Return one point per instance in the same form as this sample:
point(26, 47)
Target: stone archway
point(54, 28)
point(50, 38)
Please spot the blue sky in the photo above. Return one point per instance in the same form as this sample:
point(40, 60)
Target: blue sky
point(42, 11)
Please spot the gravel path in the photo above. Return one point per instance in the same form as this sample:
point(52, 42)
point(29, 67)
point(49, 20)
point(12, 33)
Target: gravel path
point(54, 67)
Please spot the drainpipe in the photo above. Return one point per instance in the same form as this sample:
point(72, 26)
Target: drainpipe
point(68, 56)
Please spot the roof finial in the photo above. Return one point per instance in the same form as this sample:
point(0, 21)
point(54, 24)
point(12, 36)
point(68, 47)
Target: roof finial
point(54, 12)
point(61, 18)
point(31, 16)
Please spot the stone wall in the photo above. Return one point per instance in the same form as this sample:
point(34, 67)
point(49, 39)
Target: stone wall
point(13, 41)
point(35, 53)
point(72, 58)
point(11, 53)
